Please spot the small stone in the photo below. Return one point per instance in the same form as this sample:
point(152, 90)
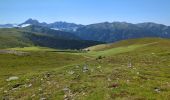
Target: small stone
point(108, 79)
point(5, 91)
point(85, 68)
point(12, 78)
point(71, 72)
point(84, 93)
point(47, 75)
point(157, 90)
point(42, 98)
point(33, 95)
point(27, 86)
point(65, 96)
point(66, 89)
point(40, 89)
point(129, 65)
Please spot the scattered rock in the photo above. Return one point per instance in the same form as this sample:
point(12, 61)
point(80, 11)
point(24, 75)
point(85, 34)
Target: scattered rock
point(67, 94)
point(40, 89)
point(108, 79)
point(157, 90)
point(83, 94)
point(65, 97)
point(85, 68)
point(71, 72)
point(5, 91)
point(129, 65)
point(42, 98)
point(12, 78)
point(127, 81)
point(48, 75)
point(33, 96)
point(27, 86)
point(66, 89)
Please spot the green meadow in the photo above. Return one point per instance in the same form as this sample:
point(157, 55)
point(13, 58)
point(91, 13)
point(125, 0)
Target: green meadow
point(136, 69)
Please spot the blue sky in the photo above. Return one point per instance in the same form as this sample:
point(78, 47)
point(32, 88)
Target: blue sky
point(85, 11)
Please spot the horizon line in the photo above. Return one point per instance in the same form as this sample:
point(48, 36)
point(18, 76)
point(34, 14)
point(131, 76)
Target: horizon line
point(89, 23)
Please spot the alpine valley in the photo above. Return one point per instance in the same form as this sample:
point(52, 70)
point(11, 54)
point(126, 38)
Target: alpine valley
point(68, 61)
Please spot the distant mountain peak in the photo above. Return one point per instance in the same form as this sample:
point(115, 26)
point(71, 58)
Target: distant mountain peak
point(60, 25)
point(31, 21)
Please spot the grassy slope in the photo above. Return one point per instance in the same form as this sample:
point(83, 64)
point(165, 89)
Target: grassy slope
point(13, 38)
point(124, 43)
point(124, 46)
point(150, 67)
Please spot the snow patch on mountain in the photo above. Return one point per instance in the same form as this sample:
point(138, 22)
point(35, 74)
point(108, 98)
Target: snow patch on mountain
point(55, 28)
point(25, 25)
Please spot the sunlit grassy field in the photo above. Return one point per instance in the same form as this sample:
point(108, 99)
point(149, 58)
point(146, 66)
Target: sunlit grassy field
point(125, 71)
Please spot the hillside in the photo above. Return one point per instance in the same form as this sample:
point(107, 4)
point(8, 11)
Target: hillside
point(139, 41)
point(130, 45)
point(16, 37)
point(116, 31)
point(13, 38)
point(136, 69)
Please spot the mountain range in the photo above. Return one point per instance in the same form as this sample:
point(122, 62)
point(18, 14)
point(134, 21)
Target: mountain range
point(57, 33)
point(116, 31)
point(63, 26)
